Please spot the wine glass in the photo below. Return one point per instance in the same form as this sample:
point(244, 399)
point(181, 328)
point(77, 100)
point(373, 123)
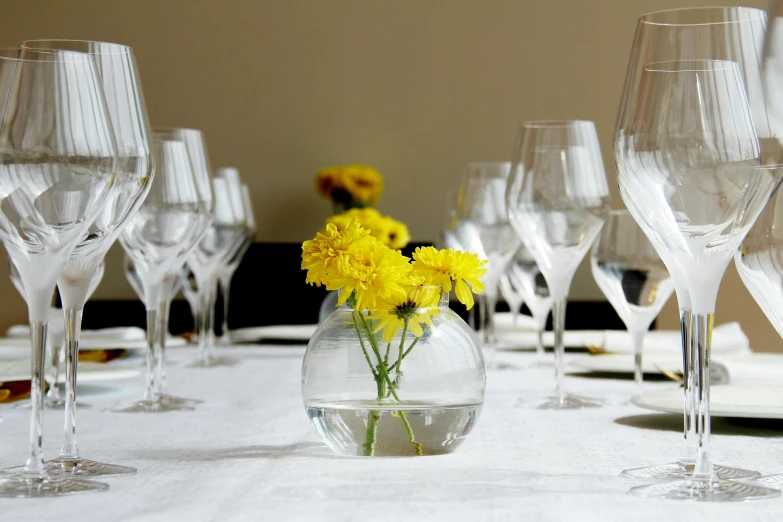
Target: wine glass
point(58, 156)
point(190, 291)
point(481, 226)
point(527, 279)
point(759, 261)
point(54, 340)
point(222, 240)
point(722, 33)
point(512, 296)
point(687, 176)
point(557, 202)
point(117, 71)
point(159, 239)
point(633, 278)
point(239, 199)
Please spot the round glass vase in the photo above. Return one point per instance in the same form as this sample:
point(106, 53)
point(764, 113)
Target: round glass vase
point(363, 403)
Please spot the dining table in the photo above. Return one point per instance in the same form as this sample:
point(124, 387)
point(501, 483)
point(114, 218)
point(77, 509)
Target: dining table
point(248, 452)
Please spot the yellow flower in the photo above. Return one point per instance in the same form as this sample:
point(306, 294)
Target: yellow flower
point(351, 185)
point(373, 271)
point(320, 255)
point(441, 267)
point(417, 307)
point(390, 232)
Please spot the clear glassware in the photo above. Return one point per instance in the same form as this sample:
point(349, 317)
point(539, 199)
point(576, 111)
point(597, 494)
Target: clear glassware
point(226, 272)
point(481, 226)
point(719, 33)
point(511, 295)
point(558, 199)
point(55, 340)
point(687, 176)
point(222, 239)
point(425, 405)
point(54, 181)
point(633, 278)
point(189, 289)
point(116, 65)
point(527, 279)
point(161, 236)
point(172, 283)
point(54, 345)
point(759, 261)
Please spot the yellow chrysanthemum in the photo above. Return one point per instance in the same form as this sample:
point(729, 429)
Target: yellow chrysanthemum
point(441, 267)
point(388, 231)
point(351, 185)
point(320, 255)
point(417, 308)
point(372, 270)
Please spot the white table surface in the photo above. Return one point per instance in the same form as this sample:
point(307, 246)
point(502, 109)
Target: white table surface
point(249, 453)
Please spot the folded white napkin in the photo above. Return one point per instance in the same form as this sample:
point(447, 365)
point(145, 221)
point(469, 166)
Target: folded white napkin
point(752, 368)
point(726, 338)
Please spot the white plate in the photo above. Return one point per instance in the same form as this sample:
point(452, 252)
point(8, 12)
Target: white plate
point(286, 332)
point(19, 370)
point(728, 400)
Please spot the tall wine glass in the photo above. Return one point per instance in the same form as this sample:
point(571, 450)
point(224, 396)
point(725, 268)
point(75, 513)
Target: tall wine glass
point(557, 202)
point(759, 261)
point(481, 226)
point(222, 239)
point(718, 33)
point(58, 156)
point(633, 278)
point(159, 239)
point(687, 176)
point(527, 279)
point(120, 80)
point(55, 339)
point(226, 272)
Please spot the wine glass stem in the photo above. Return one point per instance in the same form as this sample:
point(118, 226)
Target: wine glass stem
point(54, 390)
point(491, 301)
point(163, 331)
point(483, 318)
point(702, 340)
point(73, 327)
point(225, 287)
point(211, 318)
point(540, 351)
point(688, 455)
point(558, 321)
point(637, 338)
point(205, 320)
point(35, 463)
point(150, 393)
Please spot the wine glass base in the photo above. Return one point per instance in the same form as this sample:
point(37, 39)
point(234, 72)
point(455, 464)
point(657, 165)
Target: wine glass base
point(178, 401)
point(714, 490)
point(554, 402)
point(773, 481)
point(682, 471)
point(61, 467)
point(25, 486)
point(151, 406)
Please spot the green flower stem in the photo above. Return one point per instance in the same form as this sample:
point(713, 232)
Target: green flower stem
point(402, 345)
point(373, 417)
point(381, 367)
point(386, 358)
point(361, 342)
point(416, 445)
point(411, 347)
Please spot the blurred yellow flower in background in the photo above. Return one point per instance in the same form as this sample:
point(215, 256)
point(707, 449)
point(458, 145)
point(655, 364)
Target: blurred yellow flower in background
point(441, 267)
point(387, 230)
point(350, 186)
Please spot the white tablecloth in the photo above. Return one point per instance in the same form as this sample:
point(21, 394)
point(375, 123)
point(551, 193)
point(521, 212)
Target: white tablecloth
point(249, 453)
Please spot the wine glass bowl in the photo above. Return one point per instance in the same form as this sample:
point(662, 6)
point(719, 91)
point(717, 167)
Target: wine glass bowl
point(557, 199)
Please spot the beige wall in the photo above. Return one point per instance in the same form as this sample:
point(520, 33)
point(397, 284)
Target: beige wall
point(416, 88)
